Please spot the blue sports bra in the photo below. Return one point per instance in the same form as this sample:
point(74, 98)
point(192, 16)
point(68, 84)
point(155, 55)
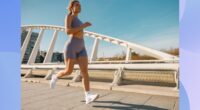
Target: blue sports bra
point(76, 22)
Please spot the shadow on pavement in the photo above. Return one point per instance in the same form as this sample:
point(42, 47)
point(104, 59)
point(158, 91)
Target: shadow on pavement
point(126, 106)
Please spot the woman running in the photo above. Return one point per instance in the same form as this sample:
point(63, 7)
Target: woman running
point(75, 50)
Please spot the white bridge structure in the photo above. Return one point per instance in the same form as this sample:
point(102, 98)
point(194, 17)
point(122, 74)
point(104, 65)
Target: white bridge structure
point(166, 65)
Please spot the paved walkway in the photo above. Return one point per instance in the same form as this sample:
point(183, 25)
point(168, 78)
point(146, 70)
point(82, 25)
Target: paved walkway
point(38, 96)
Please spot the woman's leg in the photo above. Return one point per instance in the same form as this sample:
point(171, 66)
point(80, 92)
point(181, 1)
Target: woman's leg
point(83, 64)
point(68, 69)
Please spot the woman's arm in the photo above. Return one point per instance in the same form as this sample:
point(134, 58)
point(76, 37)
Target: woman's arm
point(69, 29)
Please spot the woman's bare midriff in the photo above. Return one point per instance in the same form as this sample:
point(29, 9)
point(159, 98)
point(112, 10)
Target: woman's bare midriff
point(79, 34)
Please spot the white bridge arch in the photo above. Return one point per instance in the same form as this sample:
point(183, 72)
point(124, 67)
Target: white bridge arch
point(161, 56)
point(164, 65)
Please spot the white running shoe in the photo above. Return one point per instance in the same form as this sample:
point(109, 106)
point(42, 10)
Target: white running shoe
point(53, 81)
point(90, 98)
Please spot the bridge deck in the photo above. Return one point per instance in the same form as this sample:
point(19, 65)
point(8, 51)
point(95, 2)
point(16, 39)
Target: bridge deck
point(38, 96)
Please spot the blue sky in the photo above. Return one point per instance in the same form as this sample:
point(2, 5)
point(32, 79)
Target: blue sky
point(152, 23)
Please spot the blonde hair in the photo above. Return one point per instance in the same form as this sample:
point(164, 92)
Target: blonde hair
point(71, 3)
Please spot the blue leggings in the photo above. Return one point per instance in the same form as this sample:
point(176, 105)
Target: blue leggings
point(75, 48)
